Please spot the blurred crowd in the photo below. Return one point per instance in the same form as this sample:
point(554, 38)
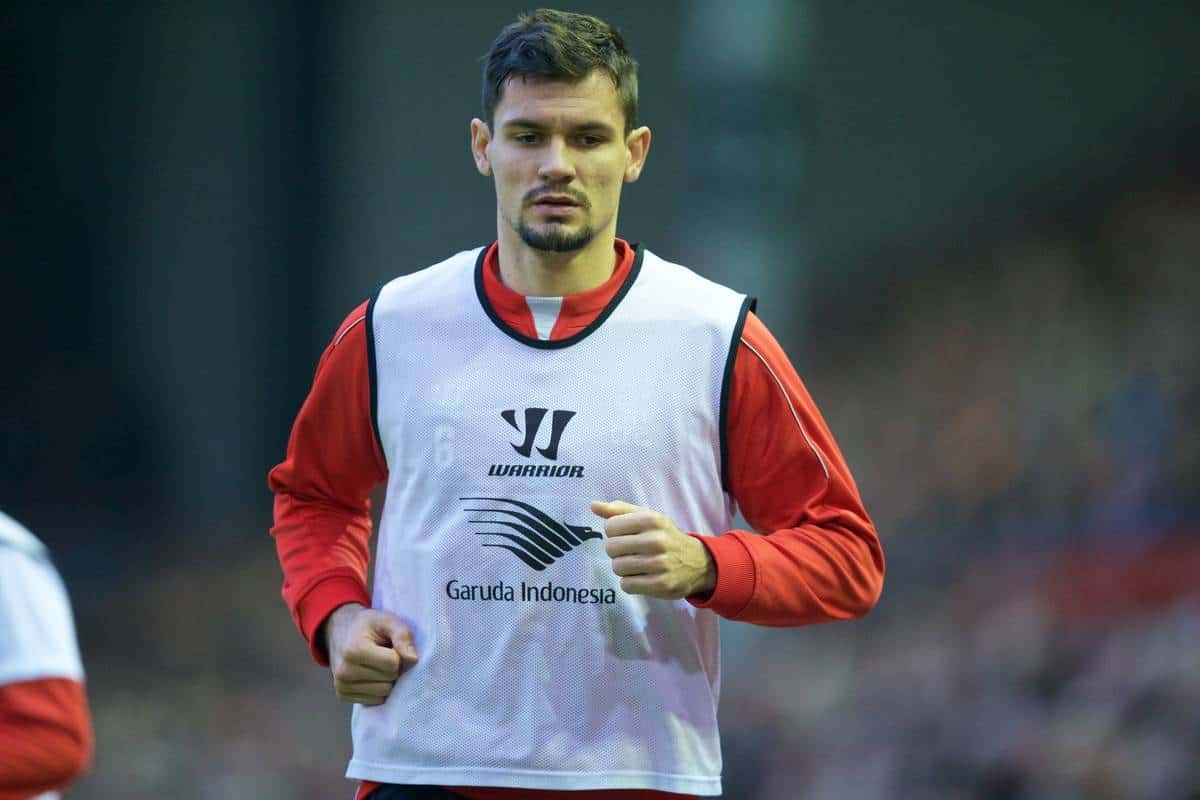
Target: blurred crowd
point(1022, 424)
point(1034, 389)
point(1024, 428)
point(989, 688)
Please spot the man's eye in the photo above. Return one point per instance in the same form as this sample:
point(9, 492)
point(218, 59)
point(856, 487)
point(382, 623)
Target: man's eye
point(526, 138)
point(589, 140)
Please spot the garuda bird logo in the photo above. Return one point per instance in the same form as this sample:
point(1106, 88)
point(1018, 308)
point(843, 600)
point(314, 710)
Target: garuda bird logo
point(532, 536)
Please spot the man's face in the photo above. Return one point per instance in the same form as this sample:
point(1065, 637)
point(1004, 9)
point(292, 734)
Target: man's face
point(559, 155)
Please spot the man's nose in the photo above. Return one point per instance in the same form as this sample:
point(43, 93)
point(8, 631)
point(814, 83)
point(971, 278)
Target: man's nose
point(556, 161)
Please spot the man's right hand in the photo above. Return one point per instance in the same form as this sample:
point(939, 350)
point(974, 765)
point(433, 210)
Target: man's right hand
point(368, 651)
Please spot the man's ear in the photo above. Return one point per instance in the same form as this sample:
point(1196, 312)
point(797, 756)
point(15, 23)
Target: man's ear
point(481, 137)
point(637, 147)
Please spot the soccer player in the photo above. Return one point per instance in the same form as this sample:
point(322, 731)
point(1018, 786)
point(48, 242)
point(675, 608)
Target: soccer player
point(45, 727)
point(565, 422)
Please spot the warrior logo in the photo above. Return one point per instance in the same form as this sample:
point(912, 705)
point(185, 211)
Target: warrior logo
point(533, 419)
point(532, 536)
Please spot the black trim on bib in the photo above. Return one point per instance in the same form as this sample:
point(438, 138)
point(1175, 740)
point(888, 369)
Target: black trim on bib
point(373, 377)
point(748, 305)
point(557, 344)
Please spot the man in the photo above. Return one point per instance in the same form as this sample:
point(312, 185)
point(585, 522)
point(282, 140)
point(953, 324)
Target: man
point(45, 727)
point(564, 421)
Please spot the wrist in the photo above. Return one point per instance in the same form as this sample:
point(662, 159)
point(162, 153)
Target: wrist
point(336, 620)
point(707, 581)
point(314, 607)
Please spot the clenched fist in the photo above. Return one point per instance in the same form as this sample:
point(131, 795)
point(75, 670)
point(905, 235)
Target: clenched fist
point(652, 556)
point(368, 651)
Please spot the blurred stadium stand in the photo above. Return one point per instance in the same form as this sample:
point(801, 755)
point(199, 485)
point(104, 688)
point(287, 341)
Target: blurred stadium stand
point(976, 229)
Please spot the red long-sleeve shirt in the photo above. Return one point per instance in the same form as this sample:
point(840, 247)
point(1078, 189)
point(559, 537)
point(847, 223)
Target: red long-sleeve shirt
point(45, 736)
point(45, 724)
point(819, 559)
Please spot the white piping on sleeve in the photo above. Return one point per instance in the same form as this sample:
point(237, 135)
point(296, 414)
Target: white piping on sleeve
point(791, 407)
point(349, 328)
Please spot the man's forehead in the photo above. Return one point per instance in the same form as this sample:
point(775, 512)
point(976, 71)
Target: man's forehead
point(594, 95)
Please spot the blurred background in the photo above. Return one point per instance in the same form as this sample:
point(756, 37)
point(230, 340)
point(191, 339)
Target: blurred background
point(974, 227)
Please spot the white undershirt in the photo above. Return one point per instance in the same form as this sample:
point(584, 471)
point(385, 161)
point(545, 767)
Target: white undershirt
point(545, 313)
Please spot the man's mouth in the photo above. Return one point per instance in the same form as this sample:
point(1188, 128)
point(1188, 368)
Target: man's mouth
point(555, 200)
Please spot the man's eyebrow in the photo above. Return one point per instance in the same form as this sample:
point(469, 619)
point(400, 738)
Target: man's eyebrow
point(601, 127)
point(531, 124)
point(521, 123)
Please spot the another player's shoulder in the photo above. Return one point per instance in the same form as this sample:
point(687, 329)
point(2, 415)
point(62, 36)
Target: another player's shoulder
point(15, 537)
point(37, 632)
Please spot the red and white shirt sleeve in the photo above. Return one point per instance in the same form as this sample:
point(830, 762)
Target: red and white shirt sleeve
point(814, 555)
point(45, 725)
point(817, 558)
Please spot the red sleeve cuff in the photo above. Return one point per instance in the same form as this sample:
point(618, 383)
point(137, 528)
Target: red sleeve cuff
point(320, 601)
point(735, 575)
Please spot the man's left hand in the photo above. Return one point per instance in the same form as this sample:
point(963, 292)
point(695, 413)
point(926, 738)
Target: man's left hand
point(651, 555)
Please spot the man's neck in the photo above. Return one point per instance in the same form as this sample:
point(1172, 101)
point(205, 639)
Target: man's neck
point(547, 274)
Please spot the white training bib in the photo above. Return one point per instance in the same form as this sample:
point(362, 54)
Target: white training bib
point(37, 633)
point(535, 669)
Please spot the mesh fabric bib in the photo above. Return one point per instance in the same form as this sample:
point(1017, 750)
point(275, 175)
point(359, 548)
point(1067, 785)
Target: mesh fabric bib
point(535, 669)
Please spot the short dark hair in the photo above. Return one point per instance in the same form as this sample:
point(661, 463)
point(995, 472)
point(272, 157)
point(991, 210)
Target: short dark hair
point(559, 44)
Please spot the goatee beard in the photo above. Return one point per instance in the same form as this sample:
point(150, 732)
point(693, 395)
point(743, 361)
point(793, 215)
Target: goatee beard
point(555, 240)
